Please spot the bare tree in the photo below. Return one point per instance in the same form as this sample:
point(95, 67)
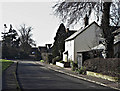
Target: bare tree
point(26, 41)
point(72, 12)
point(25, 35)
point(115, 14)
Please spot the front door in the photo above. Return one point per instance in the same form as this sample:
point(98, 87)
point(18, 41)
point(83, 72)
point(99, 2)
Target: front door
point(79, 59)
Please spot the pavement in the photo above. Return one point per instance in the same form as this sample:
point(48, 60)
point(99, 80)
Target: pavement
point(68, 71)
point(9, 81)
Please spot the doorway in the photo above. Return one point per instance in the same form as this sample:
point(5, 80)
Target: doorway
point(79, 60)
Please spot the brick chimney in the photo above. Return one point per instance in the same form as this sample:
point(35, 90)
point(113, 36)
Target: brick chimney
point(67, 30)
point(86, 19)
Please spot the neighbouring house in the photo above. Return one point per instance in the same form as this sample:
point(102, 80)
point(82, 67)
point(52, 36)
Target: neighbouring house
point(70, 32)
point(35, 54)
point(34, 50)
point(84, 43)
point(117, 43)
point(45, 52)
point(0, 49)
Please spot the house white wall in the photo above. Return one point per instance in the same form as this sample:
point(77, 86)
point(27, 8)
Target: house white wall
point(87, 39)
point(69, 46)
point(84, 41)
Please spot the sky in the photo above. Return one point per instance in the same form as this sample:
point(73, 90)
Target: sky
point(39, 15)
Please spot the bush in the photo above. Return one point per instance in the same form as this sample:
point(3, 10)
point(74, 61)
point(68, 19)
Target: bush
point(66, 64)
point(56, 59)
point(109, 66)
point(81, 70)
point(74, 65)
point(42, 61)
point(50, 58)
point(61, 61)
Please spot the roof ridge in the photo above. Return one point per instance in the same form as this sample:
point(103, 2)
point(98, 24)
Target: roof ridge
point(80, 31)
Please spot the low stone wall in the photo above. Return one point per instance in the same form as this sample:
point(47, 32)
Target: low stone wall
point(64, 64)
point(60, 64)
point(115, 79)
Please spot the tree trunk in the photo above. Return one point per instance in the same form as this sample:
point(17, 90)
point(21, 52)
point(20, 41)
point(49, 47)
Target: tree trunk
point(109, 38)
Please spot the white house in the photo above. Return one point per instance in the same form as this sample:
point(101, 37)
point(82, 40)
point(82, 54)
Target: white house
point(83, 40)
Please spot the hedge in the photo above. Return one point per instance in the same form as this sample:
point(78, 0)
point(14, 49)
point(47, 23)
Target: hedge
point(109, 66)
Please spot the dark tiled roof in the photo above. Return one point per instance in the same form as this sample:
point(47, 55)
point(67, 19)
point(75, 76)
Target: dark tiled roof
point(70, 33)
point(34, 48)
point(44, 49)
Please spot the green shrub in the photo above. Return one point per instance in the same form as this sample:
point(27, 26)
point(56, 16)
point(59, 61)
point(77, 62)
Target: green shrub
point(50, 57)
point(81, 70)
point(61, 61)
point(42, 61)
point(74, 65)
point(56, 59)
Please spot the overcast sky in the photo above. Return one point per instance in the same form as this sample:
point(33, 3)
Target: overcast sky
point(39, 15)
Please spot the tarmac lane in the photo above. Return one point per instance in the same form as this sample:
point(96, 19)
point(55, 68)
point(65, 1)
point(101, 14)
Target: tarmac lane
point(32, 76)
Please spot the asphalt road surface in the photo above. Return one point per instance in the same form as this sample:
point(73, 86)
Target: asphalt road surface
point(35, 76)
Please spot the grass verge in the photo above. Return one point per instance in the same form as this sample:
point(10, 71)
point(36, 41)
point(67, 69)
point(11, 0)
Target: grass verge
point(5, 63)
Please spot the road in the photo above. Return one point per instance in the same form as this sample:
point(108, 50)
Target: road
point(35, 76)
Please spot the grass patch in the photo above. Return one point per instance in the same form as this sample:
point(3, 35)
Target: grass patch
point(5, 63)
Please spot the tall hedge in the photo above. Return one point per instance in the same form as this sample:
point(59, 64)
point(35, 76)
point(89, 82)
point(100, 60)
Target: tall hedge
point(109, 66)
